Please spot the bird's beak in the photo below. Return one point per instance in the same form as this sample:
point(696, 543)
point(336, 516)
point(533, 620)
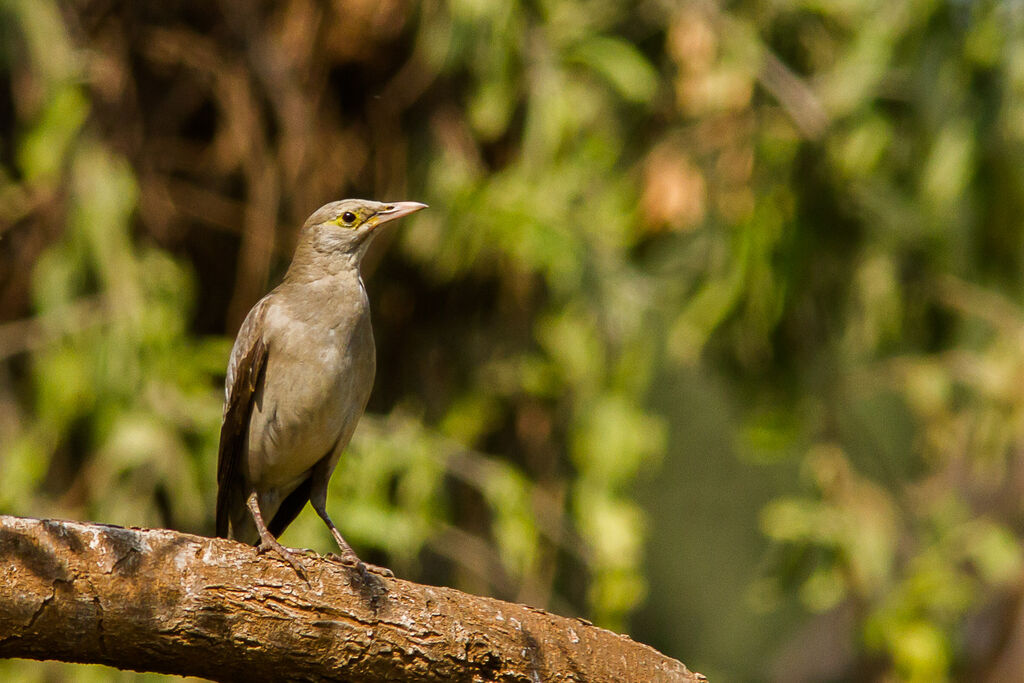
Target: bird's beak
point(395, 210)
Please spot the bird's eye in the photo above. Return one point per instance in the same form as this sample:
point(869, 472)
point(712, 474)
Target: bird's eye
point(348, 216)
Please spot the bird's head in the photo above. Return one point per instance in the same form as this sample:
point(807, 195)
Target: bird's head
point(346, 227)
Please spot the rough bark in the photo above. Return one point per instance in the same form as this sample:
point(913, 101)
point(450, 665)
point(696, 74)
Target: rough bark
point(158, 600)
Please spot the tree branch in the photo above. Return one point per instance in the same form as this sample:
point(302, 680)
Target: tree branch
point(158, 600)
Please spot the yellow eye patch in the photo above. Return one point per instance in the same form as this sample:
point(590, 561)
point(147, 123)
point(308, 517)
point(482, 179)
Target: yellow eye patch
point(347, 219)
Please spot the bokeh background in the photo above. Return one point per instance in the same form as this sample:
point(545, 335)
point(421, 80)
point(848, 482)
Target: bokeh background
point(712, 333)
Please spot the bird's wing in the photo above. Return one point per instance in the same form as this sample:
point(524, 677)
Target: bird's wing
point(245, 371)
point(290, 507)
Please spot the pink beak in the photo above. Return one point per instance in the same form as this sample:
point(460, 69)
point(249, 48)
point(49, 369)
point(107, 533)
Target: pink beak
point(397, 210)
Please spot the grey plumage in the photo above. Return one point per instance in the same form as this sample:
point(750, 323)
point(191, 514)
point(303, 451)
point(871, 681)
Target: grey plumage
point(298, 380)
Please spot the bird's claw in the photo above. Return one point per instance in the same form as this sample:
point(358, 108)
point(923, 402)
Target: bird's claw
point(360, 566)
point(383, 571)
point(286, 555)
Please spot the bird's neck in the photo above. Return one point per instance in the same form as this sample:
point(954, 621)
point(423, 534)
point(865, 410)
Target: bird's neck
point(311, 265)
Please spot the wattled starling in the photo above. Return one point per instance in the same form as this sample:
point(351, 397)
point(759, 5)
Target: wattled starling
point(298, 379)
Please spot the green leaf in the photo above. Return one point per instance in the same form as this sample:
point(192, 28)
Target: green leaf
point(620, 63)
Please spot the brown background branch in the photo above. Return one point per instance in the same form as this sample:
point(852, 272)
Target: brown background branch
point(158, 600)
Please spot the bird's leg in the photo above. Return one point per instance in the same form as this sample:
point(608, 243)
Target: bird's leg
point(267, 540)
point(318, 499)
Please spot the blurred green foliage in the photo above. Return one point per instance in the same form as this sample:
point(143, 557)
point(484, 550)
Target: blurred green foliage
point(691, 272)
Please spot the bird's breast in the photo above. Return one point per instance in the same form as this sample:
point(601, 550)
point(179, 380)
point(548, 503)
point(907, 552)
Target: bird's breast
point(317, 381)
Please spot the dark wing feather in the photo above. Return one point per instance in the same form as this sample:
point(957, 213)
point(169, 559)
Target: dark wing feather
point(245, 371)
point(290, 508)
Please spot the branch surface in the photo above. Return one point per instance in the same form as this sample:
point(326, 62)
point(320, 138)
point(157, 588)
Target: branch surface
point(159, 600)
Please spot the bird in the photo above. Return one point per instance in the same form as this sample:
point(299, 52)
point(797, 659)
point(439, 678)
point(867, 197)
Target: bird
point(298, 380)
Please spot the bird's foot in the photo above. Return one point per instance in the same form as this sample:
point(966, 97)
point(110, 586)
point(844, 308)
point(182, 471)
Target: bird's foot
point(353, 561)
point(270, 545)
